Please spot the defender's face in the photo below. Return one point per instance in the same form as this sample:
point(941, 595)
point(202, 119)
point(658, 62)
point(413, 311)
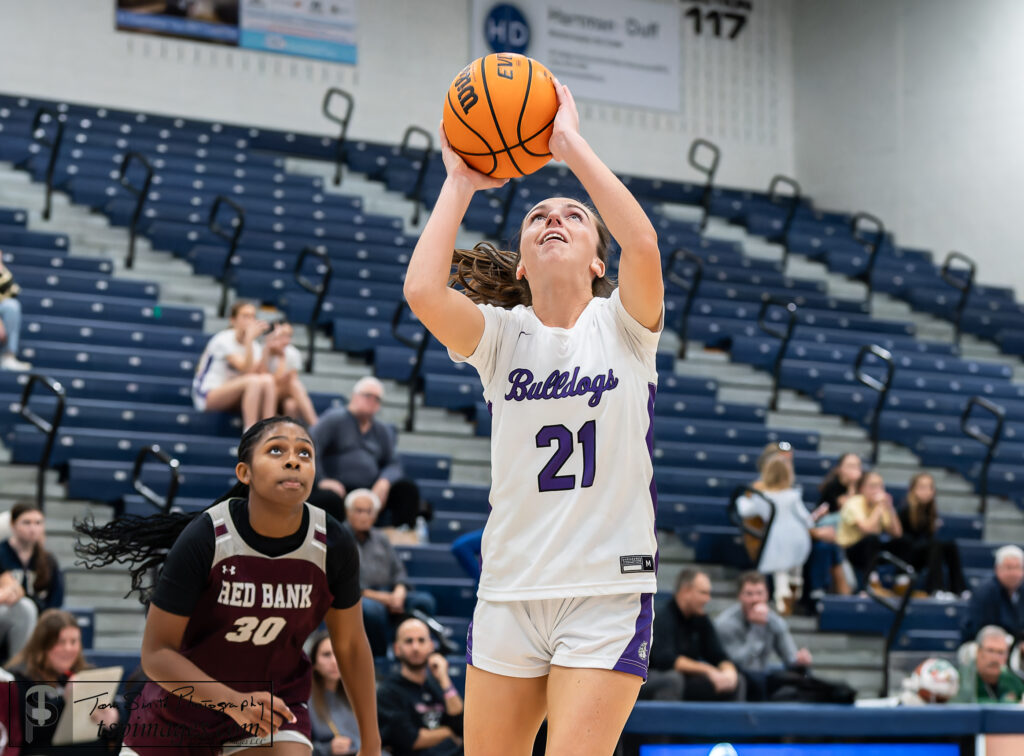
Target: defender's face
point(282, 467)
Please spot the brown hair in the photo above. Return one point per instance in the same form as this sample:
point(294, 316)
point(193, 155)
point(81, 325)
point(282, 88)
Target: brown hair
point(922, 513)
point(488, 274)
point(751, 577)
point(319, 687)
point(864, 479)
point(236, 306)
point(833, 474)
point(44, 573)
point(777, 473)
point(44, 637)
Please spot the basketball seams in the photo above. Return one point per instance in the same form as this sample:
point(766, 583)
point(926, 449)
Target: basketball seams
point(494, 115)
point(480, 136)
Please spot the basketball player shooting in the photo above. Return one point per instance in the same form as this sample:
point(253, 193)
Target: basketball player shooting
point(562, 626)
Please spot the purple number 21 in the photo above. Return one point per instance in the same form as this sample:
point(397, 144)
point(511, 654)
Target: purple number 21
point(548, 479)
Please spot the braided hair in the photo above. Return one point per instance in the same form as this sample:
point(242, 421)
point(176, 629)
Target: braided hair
point(488, 274)
point(142, 542)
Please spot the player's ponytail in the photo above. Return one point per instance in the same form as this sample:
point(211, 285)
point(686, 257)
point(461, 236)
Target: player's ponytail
point(141, 542)
point(488, 275)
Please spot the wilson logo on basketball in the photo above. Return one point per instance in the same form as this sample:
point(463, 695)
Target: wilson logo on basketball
point(467, 97)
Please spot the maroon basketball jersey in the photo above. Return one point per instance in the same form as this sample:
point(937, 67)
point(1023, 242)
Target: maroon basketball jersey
point(250, 623)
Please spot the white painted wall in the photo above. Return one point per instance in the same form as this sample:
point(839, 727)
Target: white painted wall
point(914, 110)
point(737, 93)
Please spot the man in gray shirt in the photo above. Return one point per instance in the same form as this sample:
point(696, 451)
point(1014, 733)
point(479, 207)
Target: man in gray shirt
point(750, 632)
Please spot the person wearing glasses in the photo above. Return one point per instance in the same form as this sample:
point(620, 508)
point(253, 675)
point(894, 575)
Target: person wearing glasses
point(356, 450)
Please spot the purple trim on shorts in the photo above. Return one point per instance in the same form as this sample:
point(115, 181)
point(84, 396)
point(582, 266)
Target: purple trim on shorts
point(634, 659)
point(469, 644)
point(652, 390)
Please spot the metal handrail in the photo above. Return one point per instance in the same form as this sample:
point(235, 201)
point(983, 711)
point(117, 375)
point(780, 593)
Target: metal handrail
point(416, 195)
point(875, 244)
point(709, 172)
point(690, 286)
point(784, 336)
point(506, 206)
point(414, 375)
point(794, 204)
point(231, 237)
point(737, 519)
point(882, 387)
point(898, 608)
point(39, 135)
point(990, 441)
point(49, 427)
point(319, 289)
point(342, 121)
point(141, 193)
point(163, 503)
point(964, 286)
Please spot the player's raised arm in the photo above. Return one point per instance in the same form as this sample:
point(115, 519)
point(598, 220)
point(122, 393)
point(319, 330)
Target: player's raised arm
point(640, 283)
point(453, 319)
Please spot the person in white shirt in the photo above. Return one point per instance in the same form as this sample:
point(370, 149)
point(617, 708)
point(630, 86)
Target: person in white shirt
point(564, 614)
point(232, 373)
point(284, 362)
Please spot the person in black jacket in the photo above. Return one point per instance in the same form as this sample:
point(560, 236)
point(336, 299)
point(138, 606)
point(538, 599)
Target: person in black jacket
point(922, 548)
point(1000, 600)
point(419, 710)
point(687, 660)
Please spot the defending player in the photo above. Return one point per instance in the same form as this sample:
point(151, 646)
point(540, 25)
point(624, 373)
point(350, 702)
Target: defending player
point(563, 622)
point(243, 586)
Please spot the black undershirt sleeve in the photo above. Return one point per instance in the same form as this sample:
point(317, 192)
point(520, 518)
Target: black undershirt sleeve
point(342, 565)
point(186, 569)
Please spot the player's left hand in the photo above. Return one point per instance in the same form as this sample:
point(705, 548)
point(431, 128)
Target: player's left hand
point(567, 122)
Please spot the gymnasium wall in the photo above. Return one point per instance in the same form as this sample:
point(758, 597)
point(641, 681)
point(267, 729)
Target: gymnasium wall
point(736, 92)
point(914, 110)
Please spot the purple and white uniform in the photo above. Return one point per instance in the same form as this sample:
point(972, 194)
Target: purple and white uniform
point(572, 480)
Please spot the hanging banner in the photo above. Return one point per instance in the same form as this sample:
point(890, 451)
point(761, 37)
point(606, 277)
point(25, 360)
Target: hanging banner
point(624, 52)
point(308, 28)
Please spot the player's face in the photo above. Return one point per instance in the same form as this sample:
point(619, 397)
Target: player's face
point(29, 528)
point(561, 232)
point(413, 645)
point(325, 662)
point(65, 650)
point(282, 467)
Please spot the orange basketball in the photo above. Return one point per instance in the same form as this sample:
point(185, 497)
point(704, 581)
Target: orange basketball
point(499, 112)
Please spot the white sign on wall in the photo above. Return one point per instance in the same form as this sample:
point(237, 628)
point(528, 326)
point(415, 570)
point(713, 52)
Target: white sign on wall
point(624, 52)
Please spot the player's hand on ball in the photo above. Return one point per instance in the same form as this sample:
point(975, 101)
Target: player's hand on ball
point(567, 122)
point(260, 714)
point(457, 168)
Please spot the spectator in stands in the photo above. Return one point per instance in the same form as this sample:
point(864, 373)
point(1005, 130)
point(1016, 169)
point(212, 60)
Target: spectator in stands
point(419, 709)
point(839, 485)
point(922, 549)
point(750, 631)
point(284, 363)
point(687, 659)
point(993, 681)
point(382, 577)
point(335, 731)
point(18, 614)
point(24, 557)
point(232, 372)
point(10, 322)
point(863, 520)
point(1000, 600)
point(788, 541)
point(355, 450)
point(53, 655)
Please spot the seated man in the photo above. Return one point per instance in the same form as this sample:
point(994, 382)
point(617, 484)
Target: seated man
point(998, 601)
point(994, 682)
point(687, 658)
point(750, 631)
point(356, 450)
point(382, 576)
point(419, 710)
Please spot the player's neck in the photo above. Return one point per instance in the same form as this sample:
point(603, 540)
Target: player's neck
point(557, 308)
point(274, 520)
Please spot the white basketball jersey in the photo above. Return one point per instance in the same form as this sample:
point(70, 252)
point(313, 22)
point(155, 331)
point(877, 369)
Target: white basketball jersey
point(572, 483)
